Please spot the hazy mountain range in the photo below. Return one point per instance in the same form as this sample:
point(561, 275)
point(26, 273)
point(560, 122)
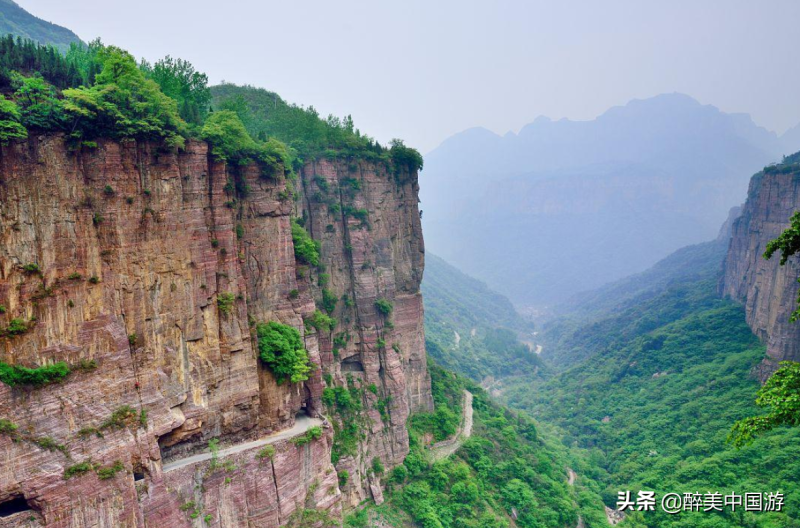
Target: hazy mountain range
point(566, 206)
point(17, 21)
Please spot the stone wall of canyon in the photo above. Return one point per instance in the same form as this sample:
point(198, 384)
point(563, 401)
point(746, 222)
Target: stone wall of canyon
point(768, 290)
point(136, 245)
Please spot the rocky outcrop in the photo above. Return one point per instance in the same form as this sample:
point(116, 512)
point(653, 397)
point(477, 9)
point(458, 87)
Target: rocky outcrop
point(768, 290)
point(366, 217)
point(151, 269)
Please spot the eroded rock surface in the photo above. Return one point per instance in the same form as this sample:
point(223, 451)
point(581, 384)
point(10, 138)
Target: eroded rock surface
point(137, 246)
point(768, 290)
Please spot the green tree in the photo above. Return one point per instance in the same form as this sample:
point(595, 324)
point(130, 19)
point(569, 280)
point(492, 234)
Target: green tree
point(123, 103)
point(280, 347)
point(306, 249)
point(788, 243)
point(228, 138)
point(781, 394)
point(10, 127)
point(40, 107)
point(179, 80)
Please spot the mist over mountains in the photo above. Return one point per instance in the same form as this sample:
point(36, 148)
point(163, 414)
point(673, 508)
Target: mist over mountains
point(566, 206)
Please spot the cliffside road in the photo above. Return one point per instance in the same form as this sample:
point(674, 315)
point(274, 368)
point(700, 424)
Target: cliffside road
point(445, 448)
point(301, 425)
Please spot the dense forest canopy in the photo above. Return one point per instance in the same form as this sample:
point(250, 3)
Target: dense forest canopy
point(99, 91)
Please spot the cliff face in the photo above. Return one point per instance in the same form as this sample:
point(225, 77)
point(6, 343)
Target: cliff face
point(768, 291)
point(139, 249)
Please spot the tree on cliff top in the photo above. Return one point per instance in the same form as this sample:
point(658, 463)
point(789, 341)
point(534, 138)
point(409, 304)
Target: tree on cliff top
point(124, 103)
point(179, 80)
point(10, 127)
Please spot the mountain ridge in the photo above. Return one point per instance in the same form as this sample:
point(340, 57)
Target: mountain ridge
point(19, 22)
point(626, 189)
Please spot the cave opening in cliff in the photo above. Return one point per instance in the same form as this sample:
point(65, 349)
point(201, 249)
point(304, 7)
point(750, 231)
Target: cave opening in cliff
point(352, 364)
point(16, 504)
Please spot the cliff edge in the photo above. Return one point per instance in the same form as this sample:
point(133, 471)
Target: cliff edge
point(146, 271)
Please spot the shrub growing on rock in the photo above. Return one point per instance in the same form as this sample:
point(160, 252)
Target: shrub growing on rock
point(15, 375)
point(281, 349)
point(306, 249)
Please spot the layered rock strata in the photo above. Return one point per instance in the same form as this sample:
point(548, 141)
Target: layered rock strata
point(768, 290)
point(146, 271)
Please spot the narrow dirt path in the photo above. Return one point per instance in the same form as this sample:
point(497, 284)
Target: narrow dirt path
point(571, 476)
point(445, 448)
point(301, 425)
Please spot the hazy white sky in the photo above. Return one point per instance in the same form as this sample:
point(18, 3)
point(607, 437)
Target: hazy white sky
point(423, 70)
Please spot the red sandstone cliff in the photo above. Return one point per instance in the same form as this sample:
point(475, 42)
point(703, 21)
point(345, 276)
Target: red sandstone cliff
point(135, 240)
point(767, 290)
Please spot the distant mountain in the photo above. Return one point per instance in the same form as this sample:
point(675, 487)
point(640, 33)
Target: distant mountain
point(17, 21)
point(565, 206)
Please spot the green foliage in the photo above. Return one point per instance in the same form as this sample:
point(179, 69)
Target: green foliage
point(109, 472)
point(225, 302)
point(322, 322)
point(36, 377)
point(384, 307)
point(231, 142)
point(23, 55)
point(77, 470)
point(267, 452)
point(329, 300)
point(228, 138)
point(788, 242)
point(7, 427)
point(502, 466)
point(15, 326)
point(377, 466)
point(122, 417)
point(485, 321)
point(349, 421)
point(106, 94)
point(280, 347)
point(264, 114)
point(442, 423)
point(306, 249)
point(10, 126)
point(655, 404)
point(123, 103)
point(213, 447)
point(179, 80)
point(312, 434)
point(781, 394)
point(40, 107)
point(50, 444)
point(404, 157)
